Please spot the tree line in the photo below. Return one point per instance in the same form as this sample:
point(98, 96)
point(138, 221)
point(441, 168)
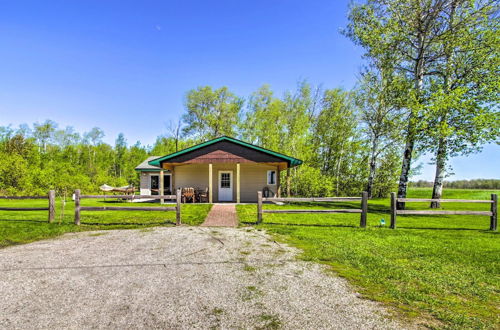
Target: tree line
point(461, 184)
point(430, 85)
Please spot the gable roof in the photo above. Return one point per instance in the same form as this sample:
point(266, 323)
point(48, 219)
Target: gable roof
point(145, 166)
point(290, 160)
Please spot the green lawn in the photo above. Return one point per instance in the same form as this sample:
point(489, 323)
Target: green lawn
point(441, 269)
point(22, 227)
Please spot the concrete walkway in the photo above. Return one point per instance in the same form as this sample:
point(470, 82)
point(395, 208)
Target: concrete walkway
point(221, 215)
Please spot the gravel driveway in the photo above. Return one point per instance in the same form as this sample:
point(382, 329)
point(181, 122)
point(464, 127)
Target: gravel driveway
point(179, 277)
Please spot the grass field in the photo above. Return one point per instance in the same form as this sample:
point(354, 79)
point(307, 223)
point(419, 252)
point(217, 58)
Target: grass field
point(444, 270)
point(23, 227)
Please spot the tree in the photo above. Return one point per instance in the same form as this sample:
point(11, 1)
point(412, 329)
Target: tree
point(264, 111)
point(120, 151)
point(174, 131)
point(282, 124)
point(411, 31)
point(463, 111)
point(44, 132)
point(211, 113)
point(336, 139)
point(380, 114)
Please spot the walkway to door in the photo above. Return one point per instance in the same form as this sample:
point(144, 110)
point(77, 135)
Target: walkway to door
point(221, 215)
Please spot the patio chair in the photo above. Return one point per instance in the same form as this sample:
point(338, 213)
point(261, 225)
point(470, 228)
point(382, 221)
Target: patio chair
point(188, 195)
point(203, 196)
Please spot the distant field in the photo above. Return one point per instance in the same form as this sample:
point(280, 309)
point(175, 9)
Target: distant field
point(444, 270)
point(23, 227)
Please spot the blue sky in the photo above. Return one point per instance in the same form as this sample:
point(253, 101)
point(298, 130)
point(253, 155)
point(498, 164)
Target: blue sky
point(125, 66)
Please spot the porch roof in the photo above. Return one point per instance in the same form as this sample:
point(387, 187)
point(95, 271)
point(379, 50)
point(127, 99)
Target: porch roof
point(156, 162)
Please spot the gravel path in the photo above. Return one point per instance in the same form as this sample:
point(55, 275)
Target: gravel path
point(176, 278)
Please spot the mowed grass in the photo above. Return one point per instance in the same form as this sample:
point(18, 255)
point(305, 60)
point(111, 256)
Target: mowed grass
point(442, 270)
point(27, 226)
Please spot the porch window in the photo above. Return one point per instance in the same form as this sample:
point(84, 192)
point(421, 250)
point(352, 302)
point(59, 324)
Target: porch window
point(271, 177)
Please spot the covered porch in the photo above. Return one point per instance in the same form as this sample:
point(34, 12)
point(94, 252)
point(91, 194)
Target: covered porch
point(218, 182)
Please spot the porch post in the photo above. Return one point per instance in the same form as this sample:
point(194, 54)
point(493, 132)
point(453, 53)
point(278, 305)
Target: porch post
point(172, 180)
point(288, 182)
point(162, 183)
point(278, 182)
point(238, 183)
point(210, 195)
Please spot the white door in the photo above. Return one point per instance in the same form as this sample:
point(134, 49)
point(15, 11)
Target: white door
point(225, 186)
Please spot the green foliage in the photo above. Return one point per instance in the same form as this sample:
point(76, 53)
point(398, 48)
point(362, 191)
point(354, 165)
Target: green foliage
point(35, 161)
point(310, 182)
point(211, 113)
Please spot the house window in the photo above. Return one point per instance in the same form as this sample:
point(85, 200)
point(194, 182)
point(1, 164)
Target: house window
point(271, 177)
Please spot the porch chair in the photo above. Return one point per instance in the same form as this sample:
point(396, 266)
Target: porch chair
point(203, 196)
point(188, 194)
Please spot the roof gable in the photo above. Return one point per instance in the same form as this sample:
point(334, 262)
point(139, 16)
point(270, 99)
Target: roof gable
point(196, 151)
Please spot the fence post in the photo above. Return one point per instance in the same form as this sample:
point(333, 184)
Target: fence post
point(494, 208)
point(393, 210)
point(52, 205)
point(364, 209)
point(77, 207)
point(178, 207)
point(259, 206)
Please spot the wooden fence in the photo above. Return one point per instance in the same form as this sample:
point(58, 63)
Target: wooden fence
point(363, 210)
point(51, 196)
point(79, 208)
point(492, 213)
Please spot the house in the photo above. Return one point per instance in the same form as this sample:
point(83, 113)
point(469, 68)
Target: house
point(231, 169)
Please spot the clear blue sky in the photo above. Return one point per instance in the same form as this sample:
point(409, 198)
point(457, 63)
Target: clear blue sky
point(125, 66)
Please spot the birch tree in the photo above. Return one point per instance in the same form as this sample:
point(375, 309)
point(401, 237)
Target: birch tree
point(463, 112)
point(410, 30)
point(378, 99)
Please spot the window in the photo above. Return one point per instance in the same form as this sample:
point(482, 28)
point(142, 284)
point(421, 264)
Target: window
point(271, 177)
point(225, 180)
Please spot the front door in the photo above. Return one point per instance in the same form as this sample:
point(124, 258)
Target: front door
point(225, 186)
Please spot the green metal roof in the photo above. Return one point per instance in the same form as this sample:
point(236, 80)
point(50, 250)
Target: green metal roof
point(292, 161)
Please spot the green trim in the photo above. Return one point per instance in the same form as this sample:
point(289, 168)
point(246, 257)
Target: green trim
point(292, 161)
point(148, 170)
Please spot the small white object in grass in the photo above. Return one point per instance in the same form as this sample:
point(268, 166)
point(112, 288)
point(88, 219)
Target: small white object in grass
point(279, 203)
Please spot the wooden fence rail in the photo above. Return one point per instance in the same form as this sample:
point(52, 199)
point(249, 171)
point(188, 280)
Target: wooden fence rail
point(363, 210)
point(79, 208)
point(51, 196)
point(492, 213)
